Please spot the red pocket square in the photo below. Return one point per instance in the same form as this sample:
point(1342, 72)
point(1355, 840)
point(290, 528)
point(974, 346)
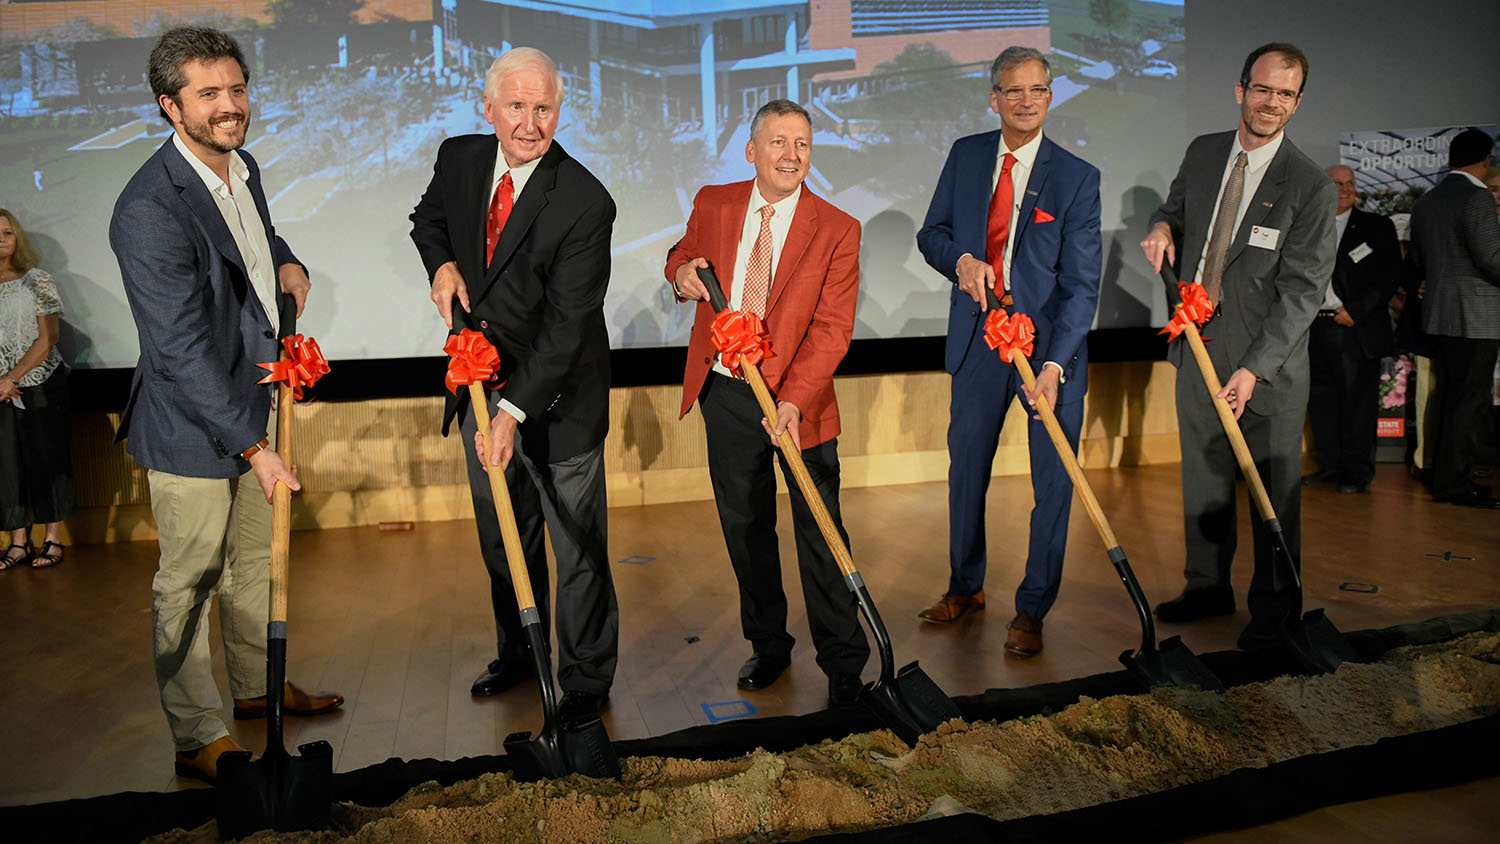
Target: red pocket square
point(1040, 216)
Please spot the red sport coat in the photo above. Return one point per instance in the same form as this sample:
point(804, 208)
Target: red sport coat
point(810, 314)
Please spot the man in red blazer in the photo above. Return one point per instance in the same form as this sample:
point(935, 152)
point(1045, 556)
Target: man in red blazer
point(792, 258)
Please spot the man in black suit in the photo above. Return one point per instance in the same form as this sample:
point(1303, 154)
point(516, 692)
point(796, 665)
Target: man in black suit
point(1455, 246)
point(1253, 218)
point(1350, 335)
point(530, 273)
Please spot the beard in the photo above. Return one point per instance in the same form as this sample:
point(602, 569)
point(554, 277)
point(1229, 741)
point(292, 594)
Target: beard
point(203, 132)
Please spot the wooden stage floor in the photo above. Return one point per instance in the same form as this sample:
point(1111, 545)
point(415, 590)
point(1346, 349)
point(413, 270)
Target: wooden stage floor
point(399, 622)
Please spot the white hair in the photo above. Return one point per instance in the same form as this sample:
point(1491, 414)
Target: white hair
point(522, 58)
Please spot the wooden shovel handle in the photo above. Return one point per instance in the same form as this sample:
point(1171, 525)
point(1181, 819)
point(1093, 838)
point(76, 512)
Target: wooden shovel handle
point(1226, 413)
point(1069, 459)
point(515, 557)
point(281, 506)
point(788, 447)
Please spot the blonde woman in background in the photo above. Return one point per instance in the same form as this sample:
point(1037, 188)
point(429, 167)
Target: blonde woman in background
point(36, 467)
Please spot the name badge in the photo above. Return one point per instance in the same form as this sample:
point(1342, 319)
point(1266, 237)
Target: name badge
point(1264, 237)
point(1358, 253)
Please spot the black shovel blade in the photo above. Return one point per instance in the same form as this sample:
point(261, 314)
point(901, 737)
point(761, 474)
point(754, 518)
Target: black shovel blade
point(589, 752)
point(277, 791)
point(1317, 644)
point(1172, 662)
point(911, 705)
point(539, 758)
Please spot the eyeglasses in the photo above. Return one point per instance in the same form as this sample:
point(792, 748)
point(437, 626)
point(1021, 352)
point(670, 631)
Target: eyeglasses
point(1013, 95)
point(1261, 92)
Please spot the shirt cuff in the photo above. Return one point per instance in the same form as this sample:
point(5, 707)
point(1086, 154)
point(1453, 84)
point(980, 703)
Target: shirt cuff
point(1061, 377)
point(505, 405)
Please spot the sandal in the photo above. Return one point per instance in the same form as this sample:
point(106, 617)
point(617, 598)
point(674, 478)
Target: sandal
point(10, 561)
point(43, 560)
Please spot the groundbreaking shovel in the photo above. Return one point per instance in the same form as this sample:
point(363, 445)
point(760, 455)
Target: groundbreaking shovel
point(1313, 640)
point(554, 753)
point(1172, 662)
point(277, 791)
point(908, 702)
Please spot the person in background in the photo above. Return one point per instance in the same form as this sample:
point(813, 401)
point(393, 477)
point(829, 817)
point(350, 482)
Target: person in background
point(36, 464)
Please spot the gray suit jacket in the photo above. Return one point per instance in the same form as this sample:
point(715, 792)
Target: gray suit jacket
point(1270, 296)
point(1455, 246)
point(194, 403)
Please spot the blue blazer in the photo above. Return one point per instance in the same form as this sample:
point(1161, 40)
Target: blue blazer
point(1055, 267)
point(194, 402)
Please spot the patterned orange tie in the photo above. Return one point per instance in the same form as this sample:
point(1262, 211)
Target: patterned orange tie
point(500, 205)
point(997, 230)
point(758, 271)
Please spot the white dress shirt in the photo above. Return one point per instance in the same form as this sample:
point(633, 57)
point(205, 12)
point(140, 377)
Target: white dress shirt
point(237, 206)
point(781, 223)
point(519, 176)
point(1256, 162)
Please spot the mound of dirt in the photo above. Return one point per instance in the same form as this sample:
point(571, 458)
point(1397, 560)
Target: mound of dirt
point(1094, 751)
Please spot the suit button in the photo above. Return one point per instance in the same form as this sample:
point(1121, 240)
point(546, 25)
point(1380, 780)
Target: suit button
point(270, 335)
point(484, 323)
point(708, 360)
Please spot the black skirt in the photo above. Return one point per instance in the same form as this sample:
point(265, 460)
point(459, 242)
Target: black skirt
point(36, 456)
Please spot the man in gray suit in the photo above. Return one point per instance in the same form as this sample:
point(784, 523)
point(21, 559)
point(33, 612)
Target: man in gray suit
point(1455, 246)
point(1255, 221)
point(206, 277)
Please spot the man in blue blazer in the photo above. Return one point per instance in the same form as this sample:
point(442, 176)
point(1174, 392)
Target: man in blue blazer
point(206, 277)
point(1016, 213)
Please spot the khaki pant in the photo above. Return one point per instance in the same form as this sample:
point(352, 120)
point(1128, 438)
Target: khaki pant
point(215, 536)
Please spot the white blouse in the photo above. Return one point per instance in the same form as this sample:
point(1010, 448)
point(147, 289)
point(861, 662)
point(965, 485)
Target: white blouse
point(22, 300)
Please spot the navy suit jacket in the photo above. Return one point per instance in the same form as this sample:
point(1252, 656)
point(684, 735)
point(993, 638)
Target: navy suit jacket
point(1055, 265)
point(194, 402)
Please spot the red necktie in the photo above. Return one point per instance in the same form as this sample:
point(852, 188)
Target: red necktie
point(758, 269)
point(500, 205)
point(998, 228)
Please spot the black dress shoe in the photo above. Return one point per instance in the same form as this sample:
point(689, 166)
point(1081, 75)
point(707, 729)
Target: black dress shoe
point(502, 675)
point(577, 709)
point(1354, 488)
point(760, 671)
point(1472, 498)
point(1194, 604)
point(844, 688)
point(1322, 476)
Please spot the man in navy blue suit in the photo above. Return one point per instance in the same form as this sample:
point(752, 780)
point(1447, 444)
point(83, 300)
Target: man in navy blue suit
point(1015, 213)
point(207, 278)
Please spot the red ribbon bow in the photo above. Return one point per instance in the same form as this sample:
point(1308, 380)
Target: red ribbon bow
point(1195, 308)
point(1009, 334)
point(303, 367)
point(472, 358)
point(739, 336)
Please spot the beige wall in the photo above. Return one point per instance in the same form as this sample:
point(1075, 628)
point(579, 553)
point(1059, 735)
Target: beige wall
point(362, 463)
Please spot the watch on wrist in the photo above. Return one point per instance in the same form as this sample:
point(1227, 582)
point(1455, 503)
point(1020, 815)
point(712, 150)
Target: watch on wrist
point(253, 450)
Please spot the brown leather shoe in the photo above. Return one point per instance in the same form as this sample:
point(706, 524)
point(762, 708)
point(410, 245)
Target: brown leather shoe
point(1025, 637)
point(203, 763)
point(952, 607)
point(293, 702)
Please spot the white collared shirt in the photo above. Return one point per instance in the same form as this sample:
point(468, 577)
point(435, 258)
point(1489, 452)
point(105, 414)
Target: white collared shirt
point(1331, 300)
point(781, 223)
point(1257, 161)
point(237, 206)
point(519, 176)
point(1475, 180)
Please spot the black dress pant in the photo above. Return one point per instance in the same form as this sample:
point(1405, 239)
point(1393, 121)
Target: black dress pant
point(36, 456)
point(1465, 371)
point(739, 464)
point(568, 499)
point(1341, 401)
